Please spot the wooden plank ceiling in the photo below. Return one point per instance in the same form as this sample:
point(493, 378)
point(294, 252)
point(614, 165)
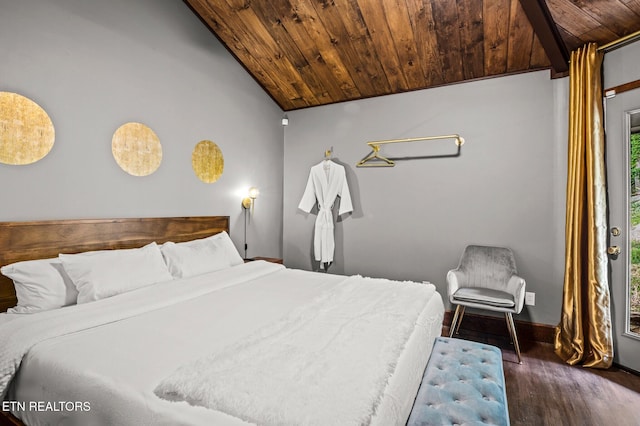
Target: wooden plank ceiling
point(314, 52)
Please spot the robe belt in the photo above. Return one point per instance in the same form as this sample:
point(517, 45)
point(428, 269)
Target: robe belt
point(325, 218)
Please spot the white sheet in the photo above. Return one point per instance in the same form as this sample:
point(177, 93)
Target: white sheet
point(116, 371)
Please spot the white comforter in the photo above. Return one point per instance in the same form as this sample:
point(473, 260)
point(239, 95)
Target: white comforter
point(25, 331)
point(113, 353)
point(349, 339)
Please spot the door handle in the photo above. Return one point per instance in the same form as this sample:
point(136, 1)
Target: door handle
point(613, 250)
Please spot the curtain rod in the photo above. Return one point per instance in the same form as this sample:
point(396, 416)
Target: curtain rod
point(616, 43)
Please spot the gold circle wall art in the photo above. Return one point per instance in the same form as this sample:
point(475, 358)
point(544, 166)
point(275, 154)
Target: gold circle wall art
point(136, 149)
point(207, 161)
point(26, 131)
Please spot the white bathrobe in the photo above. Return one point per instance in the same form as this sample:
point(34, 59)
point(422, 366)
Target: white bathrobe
point(327, 180)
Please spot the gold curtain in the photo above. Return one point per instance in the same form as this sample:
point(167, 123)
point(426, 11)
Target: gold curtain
point(584, 333)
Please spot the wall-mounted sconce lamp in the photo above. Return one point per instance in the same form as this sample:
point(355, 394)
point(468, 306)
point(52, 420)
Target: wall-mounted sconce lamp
point(247, 203)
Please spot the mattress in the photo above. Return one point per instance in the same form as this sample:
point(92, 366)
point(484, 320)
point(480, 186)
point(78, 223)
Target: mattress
point(106, 372)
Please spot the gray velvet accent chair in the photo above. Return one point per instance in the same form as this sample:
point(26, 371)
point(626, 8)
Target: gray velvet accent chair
point(487, 278)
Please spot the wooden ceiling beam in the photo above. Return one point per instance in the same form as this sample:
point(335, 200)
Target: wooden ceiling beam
point(545, 28)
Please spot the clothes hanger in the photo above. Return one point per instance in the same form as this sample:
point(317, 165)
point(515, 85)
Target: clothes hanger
point(370, 160)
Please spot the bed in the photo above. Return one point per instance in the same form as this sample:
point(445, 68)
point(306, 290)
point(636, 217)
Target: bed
point(242, 343)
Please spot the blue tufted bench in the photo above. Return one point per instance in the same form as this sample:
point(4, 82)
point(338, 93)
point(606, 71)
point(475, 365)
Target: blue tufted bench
point(463, 384)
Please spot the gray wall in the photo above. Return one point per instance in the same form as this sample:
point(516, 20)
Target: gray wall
point(622, 65)
point(413, 221)
point(94, 65)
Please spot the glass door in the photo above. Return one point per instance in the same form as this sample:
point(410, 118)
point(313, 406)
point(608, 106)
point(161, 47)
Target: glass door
point(623, 182)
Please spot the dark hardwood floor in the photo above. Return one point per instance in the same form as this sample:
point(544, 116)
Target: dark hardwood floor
point(546, 391)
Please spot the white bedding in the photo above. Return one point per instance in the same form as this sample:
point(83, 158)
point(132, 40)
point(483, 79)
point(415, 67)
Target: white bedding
point(116, 370)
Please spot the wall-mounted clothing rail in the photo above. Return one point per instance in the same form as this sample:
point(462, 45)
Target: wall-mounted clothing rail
point(374, 159)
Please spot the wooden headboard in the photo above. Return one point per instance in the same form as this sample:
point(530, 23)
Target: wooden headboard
point(44, 239)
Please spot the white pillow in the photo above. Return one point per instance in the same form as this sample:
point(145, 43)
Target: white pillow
point(200, 256)
point(105, 273)
point(40, 285)
point(229, 248)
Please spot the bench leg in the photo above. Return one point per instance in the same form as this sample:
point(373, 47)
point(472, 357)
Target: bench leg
point(514, 336)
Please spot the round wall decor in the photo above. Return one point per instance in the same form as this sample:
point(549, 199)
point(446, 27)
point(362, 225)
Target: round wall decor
point(136, 149)
point(26, 131)
point(207, 161)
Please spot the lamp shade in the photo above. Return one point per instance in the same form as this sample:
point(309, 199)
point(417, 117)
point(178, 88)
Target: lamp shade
point(253, 192)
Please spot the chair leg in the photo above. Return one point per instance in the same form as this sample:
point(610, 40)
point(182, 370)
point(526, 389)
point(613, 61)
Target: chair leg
point(514, 336)
point(462, 311)
point(457, 318)
point(509, 328)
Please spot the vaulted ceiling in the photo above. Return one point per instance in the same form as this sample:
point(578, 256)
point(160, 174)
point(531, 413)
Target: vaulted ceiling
point(313, 52)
